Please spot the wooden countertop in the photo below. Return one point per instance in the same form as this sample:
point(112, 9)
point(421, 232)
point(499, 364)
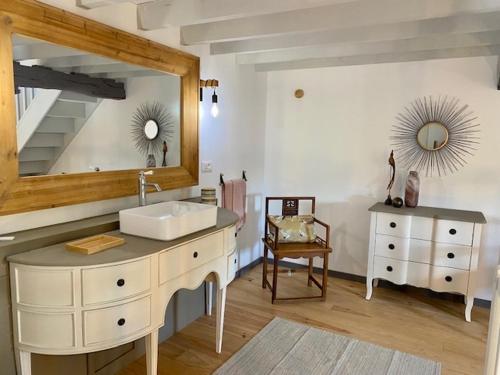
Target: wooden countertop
point(432, 212)
point(134, 247)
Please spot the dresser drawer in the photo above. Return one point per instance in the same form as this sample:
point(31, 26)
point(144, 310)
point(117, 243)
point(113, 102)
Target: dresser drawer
point(392, 247)
point(230, 244)
point(117, 322)
point(232, 266)
point(43, 288)
point(186, 257)
point(394, 225)
point(456, 232)
point(112, 283)
point(46, 330)
point(445, 279)
point(454, 256)
point(390, 269)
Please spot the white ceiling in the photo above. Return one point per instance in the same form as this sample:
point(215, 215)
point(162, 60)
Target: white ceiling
point(291, 34)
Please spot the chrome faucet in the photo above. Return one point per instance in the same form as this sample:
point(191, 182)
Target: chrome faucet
point(143, 185)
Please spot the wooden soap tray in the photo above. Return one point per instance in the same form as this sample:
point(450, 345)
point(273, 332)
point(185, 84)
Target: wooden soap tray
point(94, 244)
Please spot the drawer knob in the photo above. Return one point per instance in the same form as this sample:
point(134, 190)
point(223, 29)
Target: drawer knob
point(389, 268)
point(235, 261)
point(120, 282)
point(121, 322)
point(449, 279)
point(392, 224)
point(391, 246)
point(451, 255)
point(453, 231)
point(195, 254)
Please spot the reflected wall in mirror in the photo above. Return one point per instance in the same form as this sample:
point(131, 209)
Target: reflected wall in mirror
point(432, 136)
point(435, 135)
point(75, 111)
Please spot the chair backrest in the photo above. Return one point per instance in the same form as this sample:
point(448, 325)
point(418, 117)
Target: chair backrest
point(290, 205)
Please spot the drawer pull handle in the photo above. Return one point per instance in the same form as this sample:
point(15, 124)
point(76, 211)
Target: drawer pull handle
point(453, 231)
point(451, 255)
point(392, 224)
point(391, 246)
point(195, 254)
point(120, 282)
point(449, 279)
point(389, 268)
point(121, 322)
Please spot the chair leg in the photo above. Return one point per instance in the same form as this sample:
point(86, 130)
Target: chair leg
point(275, 278)
point(264, 269)
point(325, 277)
point(310, 272)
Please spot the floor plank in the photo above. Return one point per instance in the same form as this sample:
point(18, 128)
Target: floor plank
point(407, 321)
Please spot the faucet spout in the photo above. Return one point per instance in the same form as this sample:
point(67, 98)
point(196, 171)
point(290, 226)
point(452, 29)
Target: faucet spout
point(143, 185)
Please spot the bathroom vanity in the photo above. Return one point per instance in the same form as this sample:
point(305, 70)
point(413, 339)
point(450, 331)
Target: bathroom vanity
point(426, 247)
point(69, 303)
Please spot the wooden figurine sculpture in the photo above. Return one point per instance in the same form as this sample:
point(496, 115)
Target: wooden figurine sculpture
point(392, 163)
point(165, 149)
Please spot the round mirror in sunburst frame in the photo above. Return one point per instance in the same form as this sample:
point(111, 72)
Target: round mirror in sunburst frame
point(435, 135)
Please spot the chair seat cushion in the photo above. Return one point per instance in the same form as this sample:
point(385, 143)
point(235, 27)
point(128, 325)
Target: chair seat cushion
point(299, 228)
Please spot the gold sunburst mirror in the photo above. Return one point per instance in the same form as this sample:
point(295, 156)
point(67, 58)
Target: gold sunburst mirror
point(435, 135)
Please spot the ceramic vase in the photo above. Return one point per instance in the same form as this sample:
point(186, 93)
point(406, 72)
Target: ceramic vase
point(412, 189)
point(151, 161)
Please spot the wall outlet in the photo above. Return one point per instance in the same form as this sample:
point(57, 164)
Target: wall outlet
point(206, 167)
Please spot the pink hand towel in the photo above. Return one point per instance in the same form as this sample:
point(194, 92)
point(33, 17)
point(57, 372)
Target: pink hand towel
point(234, 198)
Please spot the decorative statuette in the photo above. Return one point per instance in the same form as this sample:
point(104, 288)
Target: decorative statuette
point(412, 189)
point(392, 163)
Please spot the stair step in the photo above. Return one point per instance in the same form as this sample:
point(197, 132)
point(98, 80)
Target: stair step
point(57, 125)
point(46, 140)
point(37, 154)
point(67, 109)
point(33, 167)
point(69, 96)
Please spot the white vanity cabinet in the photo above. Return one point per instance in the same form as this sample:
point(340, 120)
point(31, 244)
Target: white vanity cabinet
point(68, 303)
point(426, 247)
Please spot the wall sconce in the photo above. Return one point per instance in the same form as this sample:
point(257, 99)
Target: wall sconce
point(210, 83)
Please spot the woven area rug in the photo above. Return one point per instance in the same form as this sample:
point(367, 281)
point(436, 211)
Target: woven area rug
point(285, 347)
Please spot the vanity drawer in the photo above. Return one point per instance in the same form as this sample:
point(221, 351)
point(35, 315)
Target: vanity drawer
point(392, 247)
point(117, 322)
point(112, 283)
point(454, 256)
point(394, 225)
point(444, 279)
point(46, 330)
point(230, 244)
point(42, 287)
point(186, 257)
point(232, 266)
point(456, 232)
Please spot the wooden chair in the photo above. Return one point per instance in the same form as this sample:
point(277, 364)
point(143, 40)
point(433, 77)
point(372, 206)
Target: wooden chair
point(319, 248)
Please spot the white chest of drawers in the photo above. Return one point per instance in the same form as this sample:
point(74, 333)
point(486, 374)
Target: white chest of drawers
point(68, 303)
point(425, 247)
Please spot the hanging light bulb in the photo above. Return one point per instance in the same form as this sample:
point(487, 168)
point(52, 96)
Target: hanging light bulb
point(215, 109)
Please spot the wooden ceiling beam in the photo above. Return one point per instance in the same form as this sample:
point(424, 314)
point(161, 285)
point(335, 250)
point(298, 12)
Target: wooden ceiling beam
point(459, 24)
point(331, 17)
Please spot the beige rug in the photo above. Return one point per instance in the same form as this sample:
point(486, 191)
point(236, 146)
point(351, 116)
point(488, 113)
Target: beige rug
point(285, 347)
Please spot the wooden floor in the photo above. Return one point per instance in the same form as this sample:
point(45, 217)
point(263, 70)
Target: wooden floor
point(407, 321)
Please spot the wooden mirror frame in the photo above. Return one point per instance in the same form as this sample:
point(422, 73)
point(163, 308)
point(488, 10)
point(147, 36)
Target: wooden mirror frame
point(36, 20)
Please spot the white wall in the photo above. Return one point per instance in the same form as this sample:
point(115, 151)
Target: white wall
point(233, 141)
point(106, 141)
point(334, 144)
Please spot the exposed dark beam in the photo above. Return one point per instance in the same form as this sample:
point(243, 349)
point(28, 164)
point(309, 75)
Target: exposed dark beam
point(46, 78)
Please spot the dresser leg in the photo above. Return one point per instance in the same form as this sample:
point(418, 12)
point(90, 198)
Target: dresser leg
point(24, 362)
point(152, 353)
point(369, 287)
point(209, 287)
point(469, 300)
point(221, 306)
point(375, 283)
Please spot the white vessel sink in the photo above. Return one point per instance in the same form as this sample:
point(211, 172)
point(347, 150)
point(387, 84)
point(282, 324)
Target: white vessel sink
point(168, 220)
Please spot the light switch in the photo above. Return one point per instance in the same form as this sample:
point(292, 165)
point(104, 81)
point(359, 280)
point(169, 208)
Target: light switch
point(206, 167)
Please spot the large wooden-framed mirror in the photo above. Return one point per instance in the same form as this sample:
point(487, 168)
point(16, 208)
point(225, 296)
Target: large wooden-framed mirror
point(136, 80)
